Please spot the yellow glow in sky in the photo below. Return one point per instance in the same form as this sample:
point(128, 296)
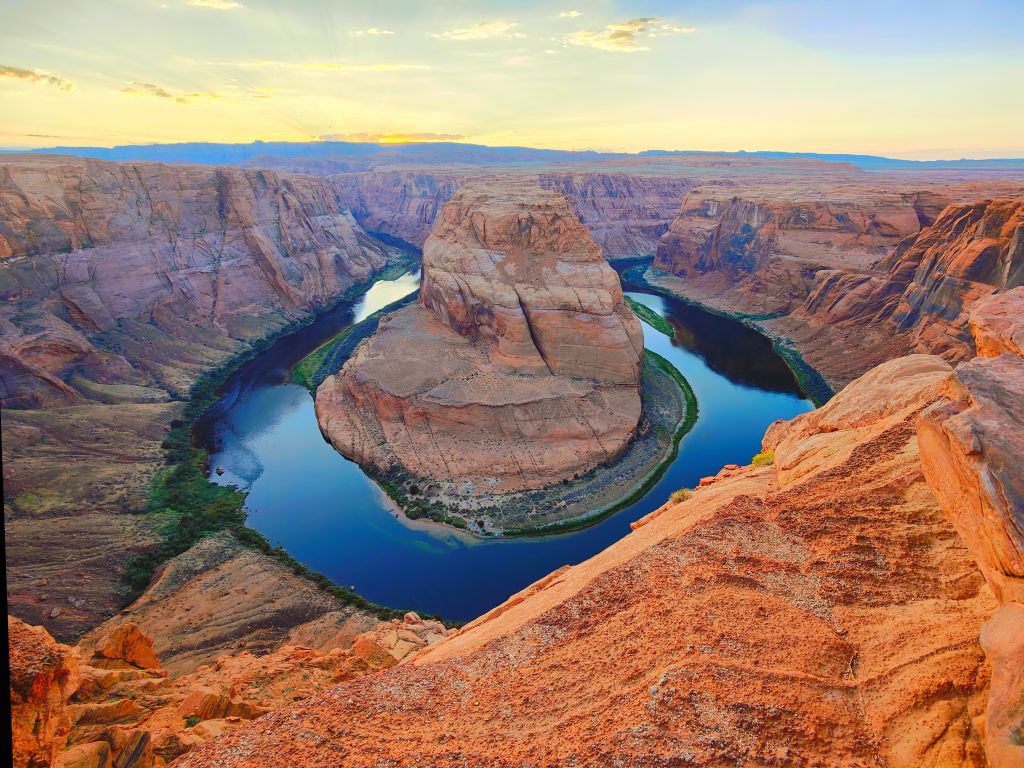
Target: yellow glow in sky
point(929, 79)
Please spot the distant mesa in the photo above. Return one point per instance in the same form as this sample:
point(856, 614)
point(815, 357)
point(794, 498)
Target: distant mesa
point(518, 368)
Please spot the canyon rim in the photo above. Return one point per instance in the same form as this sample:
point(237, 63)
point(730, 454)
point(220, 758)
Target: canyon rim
point(513, 384)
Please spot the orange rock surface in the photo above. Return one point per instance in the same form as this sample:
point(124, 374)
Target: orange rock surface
point(519, 367)
point(820, 611)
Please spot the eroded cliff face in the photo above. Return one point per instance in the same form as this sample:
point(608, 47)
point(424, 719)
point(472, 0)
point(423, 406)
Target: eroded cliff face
point(919, 297)
point(759, 255)
point(625, 213)
point(822, 610)
point(121, 283)
point(972, 444)
point(519, 367)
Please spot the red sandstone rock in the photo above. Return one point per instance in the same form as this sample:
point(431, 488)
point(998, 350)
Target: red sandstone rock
point(44, 674)
point(125, 645)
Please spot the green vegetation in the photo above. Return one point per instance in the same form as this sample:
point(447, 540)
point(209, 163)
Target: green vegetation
point(681, 495)
point(189, 507)
point(192, 721)
point(305, 370)
point(328, 358)
point(764, 459)
point(652, 318)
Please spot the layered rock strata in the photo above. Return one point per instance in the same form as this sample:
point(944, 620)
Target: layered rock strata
point(518, 368)
point(919, 298)
point(121, 284)
point(821, 610)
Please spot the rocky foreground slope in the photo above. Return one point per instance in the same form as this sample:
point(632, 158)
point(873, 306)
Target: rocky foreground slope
point(120, 284)
point(519, 367)
point(823, 610)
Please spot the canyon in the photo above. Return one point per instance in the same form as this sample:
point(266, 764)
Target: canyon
point(822, 608)
point(854, 598)
point(518, 368)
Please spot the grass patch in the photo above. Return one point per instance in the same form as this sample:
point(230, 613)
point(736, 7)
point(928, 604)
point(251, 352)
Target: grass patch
point(681, 495)
point(763, 459)
point(306, 369)
point(652, 318)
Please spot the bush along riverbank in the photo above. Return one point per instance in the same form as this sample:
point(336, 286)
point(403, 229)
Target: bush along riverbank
point(811, 382)
point(188, 507)
point(327, 359)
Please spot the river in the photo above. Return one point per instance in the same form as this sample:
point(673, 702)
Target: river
point(306, 497)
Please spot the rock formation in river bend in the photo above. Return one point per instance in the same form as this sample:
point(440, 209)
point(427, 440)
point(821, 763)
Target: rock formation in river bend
point(518, 368)
point(120, 284)
point(820, 611)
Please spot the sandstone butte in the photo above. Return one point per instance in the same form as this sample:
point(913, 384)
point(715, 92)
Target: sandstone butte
point(823, 610)
point(519, 366)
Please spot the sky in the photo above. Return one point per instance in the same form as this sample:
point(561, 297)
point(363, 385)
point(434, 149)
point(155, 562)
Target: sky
point(901, 78)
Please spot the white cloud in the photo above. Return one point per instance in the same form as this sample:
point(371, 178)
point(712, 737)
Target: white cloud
point(569, 14)
point(217, 5)
point(37, 76)
point(483, 30)
point(371, 31)
point(625, 37)
point(151, 89)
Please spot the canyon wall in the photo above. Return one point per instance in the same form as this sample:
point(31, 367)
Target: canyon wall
point(625, 213)
point(760, 255)
point(919, 296)
point(518, 368)
point(121, 283)
point(819, 610)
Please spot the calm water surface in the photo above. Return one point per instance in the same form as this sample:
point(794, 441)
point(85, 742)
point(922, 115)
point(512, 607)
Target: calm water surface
point(329, 515)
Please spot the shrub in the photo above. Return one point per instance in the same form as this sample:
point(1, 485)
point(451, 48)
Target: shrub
point(763, 459)
point(681, 495)
point(192, 720)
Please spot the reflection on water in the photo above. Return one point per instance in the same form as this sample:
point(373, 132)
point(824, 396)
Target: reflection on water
point(329, 515)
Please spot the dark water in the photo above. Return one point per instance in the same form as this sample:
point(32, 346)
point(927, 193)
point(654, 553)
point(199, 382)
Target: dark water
point(330, 516)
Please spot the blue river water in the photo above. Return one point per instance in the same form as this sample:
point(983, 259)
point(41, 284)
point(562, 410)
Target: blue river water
point(306, 497)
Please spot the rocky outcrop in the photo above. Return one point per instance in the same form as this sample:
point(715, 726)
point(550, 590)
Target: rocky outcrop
point(121, 283)
point(120, 708)
point(972, 441)
point(43, 675)
point(821, 610)
point(404, 204)
point(518, 368)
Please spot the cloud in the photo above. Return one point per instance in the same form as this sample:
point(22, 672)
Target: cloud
point(371, 31)
point(392, 138)
point(151, 89)
point(37, 76)
point(217, 5)
point(483, 30)
point(326, 66)
point(570, 14)
point(625, 37)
